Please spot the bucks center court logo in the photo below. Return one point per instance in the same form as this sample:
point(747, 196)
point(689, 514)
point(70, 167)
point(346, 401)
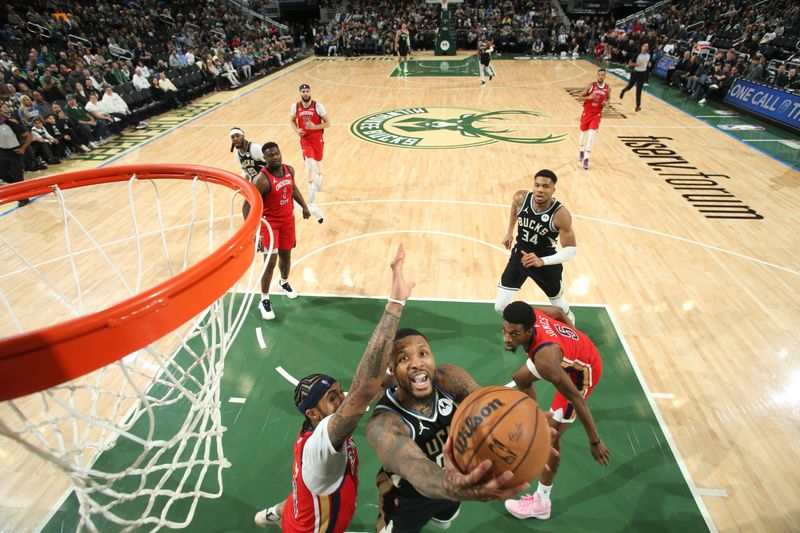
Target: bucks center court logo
point(453, 127)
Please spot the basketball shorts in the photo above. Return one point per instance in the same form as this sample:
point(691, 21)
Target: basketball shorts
point(585, 380)
point(312, 148)
point(283, 235)
point(402, 514)
point(402, 49)
point(590, 121)
point(547, 277)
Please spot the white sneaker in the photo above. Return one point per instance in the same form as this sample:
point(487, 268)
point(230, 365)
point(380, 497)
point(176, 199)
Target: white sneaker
point(267, 517)
point(316, 212)
point(290, 293)
point(266, 310)
point(702, 101)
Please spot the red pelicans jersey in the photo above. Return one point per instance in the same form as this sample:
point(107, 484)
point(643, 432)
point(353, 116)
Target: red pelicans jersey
point(278, 202)
point(580, 359)
point(306, 512)
point(308, 115)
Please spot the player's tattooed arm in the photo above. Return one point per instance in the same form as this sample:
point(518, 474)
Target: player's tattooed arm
point(399, 454)
point(366, 381)
point(371, 369)
point(456, 381)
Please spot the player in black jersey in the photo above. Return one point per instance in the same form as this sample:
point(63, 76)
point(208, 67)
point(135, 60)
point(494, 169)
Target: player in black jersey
point(485, 49)
point(409, 430)
point(248, 154)
point(402, 45)
point(540, 220)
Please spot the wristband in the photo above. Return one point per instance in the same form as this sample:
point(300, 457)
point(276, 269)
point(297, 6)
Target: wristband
point(593, 444)
point(394, 301)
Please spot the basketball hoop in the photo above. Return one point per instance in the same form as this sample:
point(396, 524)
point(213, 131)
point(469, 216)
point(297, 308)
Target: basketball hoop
point(106, 377)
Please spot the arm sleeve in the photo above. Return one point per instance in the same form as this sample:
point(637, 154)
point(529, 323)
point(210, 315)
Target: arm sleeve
point(321, 109)
point(294, 109)
point(323, 466)
point(255, 151)
point(566, 254)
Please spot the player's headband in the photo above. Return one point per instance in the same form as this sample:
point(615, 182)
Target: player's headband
point(236, 131)
point(305, 86)
point(315, 393)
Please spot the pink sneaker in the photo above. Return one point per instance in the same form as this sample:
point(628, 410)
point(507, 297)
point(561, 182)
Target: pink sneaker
point(529, 506)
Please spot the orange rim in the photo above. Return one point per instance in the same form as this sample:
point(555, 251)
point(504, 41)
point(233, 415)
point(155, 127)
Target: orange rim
point(43, 358)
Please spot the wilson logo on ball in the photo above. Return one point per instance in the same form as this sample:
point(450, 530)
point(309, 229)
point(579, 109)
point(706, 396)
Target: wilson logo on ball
point(473, 422)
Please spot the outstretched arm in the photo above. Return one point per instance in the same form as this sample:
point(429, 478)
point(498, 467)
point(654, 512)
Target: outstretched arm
point(400, 455)
point(372, 367)
point(549, 366)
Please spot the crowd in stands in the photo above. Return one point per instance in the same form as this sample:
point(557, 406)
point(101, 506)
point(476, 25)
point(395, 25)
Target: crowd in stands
point(740, 36)
point(75, 73)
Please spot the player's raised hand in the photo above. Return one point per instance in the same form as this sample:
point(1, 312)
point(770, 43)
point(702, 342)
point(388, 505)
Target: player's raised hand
point(401, 289)
point(600, 453)
point(472, 486)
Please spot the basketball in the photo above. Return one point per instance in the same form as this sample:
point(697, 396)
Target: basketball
point(505, 426)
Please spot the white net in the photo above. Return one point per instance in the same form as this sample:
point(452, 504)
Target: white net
point(141, 438)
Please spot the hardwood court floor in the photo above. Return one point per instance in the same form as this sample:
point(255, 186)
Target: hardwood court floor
point(707, 305)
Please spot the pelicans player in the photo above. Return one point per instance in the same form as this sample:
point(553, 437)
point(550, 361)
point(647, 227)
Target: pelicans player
point(309, 119)
point(595, 97)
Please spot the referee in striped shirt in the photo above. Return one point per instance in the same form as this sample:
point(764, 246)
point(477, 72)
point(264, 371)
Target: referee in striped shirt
point(638, 74)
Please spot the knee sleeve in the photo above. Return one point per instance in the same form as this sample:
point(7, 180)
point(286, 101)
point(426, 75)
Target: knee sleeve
point(503, 298)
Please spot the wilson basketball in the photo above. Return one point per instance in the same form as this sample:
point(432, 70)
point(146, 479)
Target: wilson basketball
point(505, 426)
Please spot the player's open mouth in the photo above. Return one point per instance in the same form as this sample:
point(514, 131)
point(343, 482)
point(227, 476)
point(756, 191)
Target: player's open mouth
point(420, 381)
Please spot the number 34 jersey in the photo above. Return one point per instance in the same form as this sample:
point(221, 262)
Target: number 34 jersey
point(535, 230)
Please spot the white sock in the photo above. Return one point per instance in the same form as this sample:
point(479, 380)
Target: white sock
point(583, 140)
point(544, 492)
point(312, 190)
point(481, 70)
point(264, 296)
point(590, 141)
point(282, 281)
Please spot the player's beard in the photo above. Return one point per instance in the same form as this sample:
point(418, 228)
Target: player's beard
point(306, 98)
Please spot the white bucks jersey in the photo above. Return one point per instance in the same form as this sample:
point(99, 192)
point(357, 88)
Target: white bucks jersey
point(429, 432)
point(535, 230)
point(250, 165)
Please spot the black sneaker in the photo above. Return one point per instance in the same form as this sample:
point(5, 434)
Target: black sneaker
point(290, 293)
point(266, 310)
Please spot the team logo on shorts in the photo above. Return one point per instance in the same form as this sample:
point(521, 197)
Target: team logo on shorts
point(452, 127)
